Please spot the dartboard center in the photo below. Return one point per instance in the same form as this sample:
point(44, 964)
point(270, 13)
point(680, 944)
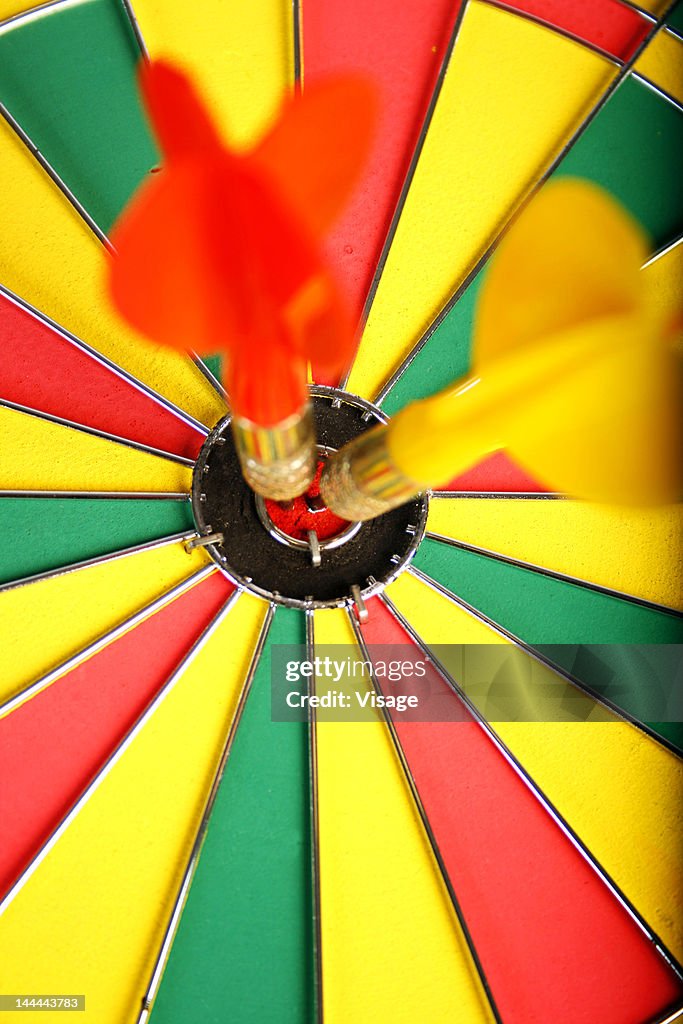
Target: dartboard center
point(295, 520)
point(299, 553)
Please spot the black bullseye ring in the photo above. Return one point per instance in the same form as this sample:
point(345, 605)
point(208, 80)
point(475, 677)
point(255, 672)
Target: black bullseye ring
point(223, 503)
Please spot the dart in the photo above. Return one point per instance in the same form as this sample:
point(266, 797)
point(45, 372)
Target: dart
point(511, 855)
point(220, 252)
point(574, 373)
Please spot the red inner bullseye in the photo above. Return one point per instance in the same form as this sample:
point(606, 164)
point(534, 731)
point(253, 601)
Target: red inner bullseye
point(298, 519)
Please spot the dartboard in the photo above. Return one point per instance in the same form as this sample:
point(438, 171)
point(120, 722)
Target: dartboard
point(172, 849)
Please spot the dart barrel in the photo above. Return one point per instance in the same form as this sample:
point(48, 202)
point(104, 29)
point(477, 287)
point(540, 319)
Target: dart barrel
point(278, 461)
point(362, 481)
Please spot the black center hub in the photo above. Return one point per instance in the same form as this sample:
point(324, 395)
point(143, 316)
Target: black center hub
point(223, 503)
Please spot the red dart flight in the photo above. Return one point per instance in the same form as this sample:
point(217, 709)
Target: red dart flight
point(221, 251)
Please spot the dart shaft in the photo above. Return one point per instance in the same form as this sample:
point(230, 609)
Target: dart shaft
point(435, 439)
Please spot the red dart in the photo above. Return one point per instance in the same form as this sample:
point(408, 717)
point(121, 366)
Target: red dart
point(221, 251)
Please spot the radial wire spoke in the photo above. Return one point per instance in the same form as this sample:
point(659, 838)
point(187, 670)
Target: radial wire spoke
point(557, 671)
point(116, 755)
point(249, 908)
point(232, 725)
point(98, 560)
point(43, 453)
point(624, 787)
point(405, 951)
point(95, 432)
point(566, 540)
point(551, 574)
point(52, 260)
point(315, 826)
point(44, 533)
point(99, 699)
point(410, 780)
point(407, 66)
point(626, 944)
point(441, 352)
point(29, 330)
point(122, 851)
point(74, 613)
point(530, 109)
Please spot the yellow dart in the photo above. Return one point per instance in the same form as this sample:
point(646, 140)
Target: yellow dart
point(575, 372)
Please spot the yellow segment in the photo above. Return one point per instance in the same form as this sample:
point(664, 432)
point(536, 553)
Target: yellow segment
point(51, 258)
point(665, 275)
point(618, 789)
point(43, 623)
point(92, 918)
point(490, 139)
point(241, 55)
point(662, 63)
point(655, 6)
point(392, 950)
point(8, 8)
point(634, 551)
point(40, 455)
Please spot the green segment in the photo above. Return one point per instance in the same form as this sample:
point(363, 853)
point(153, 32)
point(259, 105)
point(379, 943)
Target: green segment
point(68, 76)
point(543, 611)
point(243, 950)
point(214, 363)
point(445, 357)
point(633, 149)
point(675, 17)
point(39, 534)
point(540, 609)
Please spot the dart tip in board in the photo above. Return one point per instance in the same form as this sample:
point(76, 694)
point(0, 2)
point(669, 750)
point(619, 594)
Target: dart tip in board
point(307, 512)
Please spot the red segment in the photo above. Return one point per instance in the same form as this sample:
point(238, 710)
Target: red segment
point(497, 473)
point(317, 150)
point(296, 519)
point(400, 46)
point(51, 746)
point(42, 370)
point(609, 25)
point(554, 943)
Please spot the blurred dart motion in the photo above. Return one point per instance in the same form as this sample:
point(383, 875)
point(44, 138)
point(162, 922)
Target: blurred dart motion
point(575, 373)
point(220, 253)
point(575, 370)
